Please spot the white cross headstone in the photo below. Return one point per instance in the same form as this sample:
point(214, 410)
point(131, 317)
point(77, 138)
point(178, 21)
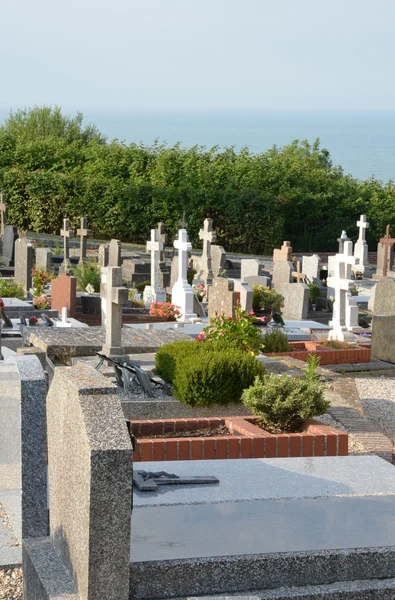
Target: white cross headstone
point(115, 297)
point(208, 236)
point(345, 314)
point(153, 292)
point(182, 294)
point(83, 232)
point(66, 234)
point(361, 248)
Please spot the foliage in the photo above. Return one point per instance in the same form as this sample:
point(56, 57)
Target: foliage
point(190, 275)
point(165, 309)
point(10, 289)
point(314, 292)
point(52, 166)
point(265, 299)
point(143, 284)
point(276, 341)
point(58, 248)
point(132, 298)
point(168, 356)
point(216, 377)
point(86, 273)
point(239, 331)
point(310, 371)
point(284, 403)
point(40, 278)
point(335, 344)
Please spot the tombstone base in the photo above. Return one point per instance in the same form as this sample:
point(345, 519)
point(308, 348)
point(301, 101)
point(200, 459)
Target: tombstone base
point(340, 335)
point(113, 350)
point(182, 296)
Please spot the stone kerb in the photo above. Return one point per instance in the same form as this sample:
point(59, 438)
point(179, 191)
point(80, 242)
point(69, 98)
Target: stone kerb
point(90, 484)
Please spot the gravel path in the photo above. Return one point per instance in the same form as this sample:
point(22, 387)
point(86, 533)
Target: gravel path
point(378, 401)
point(354, 447)
point(11, 584)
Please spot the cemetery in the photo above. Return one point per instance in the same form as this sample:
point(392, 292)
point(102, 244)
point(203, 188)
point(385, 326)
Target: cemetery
point(254, 393)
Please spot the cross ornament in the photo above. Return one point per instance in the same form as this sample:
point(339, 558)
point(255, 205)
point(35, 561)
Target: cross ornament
point(299, 276)
point(363, 226)
point(66, 234)
point(3, 211)
point(183, 247)
point(155, 247)
point(182, 223)
point(83, 232)
point(115, 296)
point(208, 236)
point(386, 241)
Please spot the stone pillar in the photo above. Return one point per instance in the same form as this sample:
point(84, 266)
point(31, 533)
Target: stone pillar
point(114, 254)
point(182, 294)
point(153, 292)
point(115, 297)
point(103, 256)
point(44, 259)
point(24, 260)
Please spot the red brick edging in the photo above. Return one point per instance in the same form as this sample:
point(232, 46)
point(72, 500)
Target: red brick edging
point(247, 440)
point(328, 356)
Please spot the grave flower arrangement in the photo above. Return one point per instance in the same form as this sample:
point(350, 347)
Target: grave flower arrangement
point(33, 320)
point(238, 331)
point(42, 302)
point(165, 309)
point(200, 291)
point(40, 278)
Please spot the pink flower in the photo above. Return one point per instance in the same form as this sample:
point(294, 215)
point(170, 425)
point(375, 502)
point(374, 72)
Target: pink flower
point(1, 304)
point(263, 319)
point(251, 313)
point(228, 318)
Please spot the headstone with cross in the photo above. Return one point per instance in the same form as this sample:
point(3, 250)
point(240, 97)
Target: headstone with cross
point(66, 234)
point(182, 294)
point(341, 240)
point(284, 253)
point(299, 276)
point(153, 292)
point(83, 232)
point(3, 213)
point(115, 296)
point(183, 222)
point(163, 239)
point(361, 254)
point(345, 314)
point(209, 237)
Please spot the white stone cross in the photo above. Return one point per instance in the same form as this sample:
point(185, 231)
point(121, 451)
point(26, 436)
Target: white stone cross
point(83, 232)
point(341, 283)
point(361, 252)
point(363, 226)
point(66, 234)
point(115, 296)
point(182, 294)
point(3, 211)
point(183, 247)
point(208, 236)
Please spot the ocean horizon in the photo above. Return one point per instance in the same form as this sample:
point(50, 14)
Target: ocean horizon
point(362, 143)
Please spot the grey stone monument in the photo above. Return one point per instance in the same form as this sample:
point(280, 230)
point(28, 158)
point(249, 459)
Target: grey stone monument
point(250, 267)
point(163, 239)
point(384, 297)
point(87, 554)
point(218, 258)
point(208, 236)
point(222, 298)
point(383, 332)
point(10, 237)
point(66, 234)
point(154, 292)
point(380, 270)
point(282, 273)
point(114, 254)
point(44, 259)
point(311, 268)
point(261, 280)
point(115, 296)
point(83, 232)
point(3, 214)
point(246, 293)
point(296, 301)
point(102, 259)
point(24, 261)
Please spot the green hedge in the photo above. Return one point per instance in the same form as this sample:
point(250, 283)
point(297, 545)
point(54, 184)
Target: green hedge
point(168, 357)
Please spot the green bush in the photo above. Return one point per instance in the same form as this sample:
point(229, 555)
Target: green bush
point(140, 286)
point(239, 331)
point(10, 289)
point(284, 403)
point(264, 299)
point(190, 275)
point(217, 377)
point(314, 292)
point(169, 356)
point(275, 341)
point(87, 272)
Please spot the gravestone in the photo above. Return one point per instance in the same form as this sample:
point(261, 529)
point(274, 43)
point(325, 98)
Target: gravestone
point(163, 239)
point(343, 238)
point(154, 293)
point(102, 259)
point(250, 267)
point(10, 237)
point(87, 552)
point(64, 294)
point(3, 214)
point(218, 258)
point(261, 280)
point(284, 253)
point(205, 273)
point(24, 261)
point(345, 312)
point(44, 259)
point(66, 234)
point(83, 232)
point(114, 254)
point(222, 298)
point(136, 271)
point(384, 254)
point(115, 296)
point(384, 297)
point(181, 293)
point(311, 268)
point(383, 335)
point(296, 301)
point(361, 253)
point(282, 273)
point(174, 270)
point(246, 293)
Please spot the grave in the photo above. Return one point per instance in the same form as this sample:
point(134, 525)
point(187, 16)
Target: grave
point(44, 259)
point(296, 300)
point(361, 251)
point(64, 294)
point(102, 259)
point(385, 256)
point(3, 214)
point(10, 237)
point(245, 292)
point(115, 296)
point(250, 267)
point(222, 298)
point(384, 297)
point(311, 268)
point(114, 253)
point(136, 271)
point(83, 232)
point(182, 294)
point(24, 260)
point(66, 233)
point(383, 332)
point(218, 258)
point(153, 292)
point(345, 313)
point(284, 254)
point(282, 273)
point(205, 272)
point(162, 237)
point(343, 238)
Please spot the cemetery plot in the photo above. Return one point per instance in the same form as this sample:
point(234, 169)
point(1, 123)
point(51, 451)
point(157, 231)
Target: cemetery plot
point(328, 355)
point(232, 437)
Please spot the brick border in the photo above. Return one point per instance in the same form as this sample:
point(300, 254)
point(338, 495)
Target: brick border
point(247, 440)
point(328, 356)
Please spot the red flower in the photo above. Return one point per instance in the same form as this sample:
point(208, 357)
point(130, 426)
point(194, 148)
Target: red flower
point(1, 304)
point(251, 313)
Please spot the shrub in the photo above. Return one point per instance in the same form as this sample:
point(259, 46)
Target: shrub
point(190, 275)
point(314, 292)
point(87, 272)
point(40, 278)
point(239, 331)
point(10, 289)
point(264, 299)
point(217, 377)
point(285, 403)
point(276, 341)
point(168, 357)
point(140, 286)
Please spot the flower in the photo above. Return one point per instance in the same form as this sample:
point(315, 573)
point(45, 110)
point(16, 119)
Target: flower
point(201, 337)
point(2, 304)
point(263, 319)
point(251, 313)
point(33, 320)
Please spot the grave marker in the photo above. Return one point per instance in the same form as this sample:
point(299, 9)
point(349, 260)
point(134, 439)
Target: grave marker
point(64, 294)
point(208, 236)
point(102, 259)
point(345, 313)
point(282, 273)
point(342, 239)
point(387, 242)
point(66, 234)
point(3, 213)
point(115, 296)
point(163, 239)
point(222, 298)
point(296, 301)
point(361, 254)
point(154, 293)
point(10, 237)
point(182, 294)
point(83, 232)
point(250, 267)
point(24, 261)
point(285, 253)
point(44, 259)
point(311, 267)
point(299, 276)
point(114, 254)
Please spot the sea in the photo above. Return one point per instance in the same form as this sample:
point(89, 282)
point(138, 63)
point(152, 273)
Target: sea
point(363, 143)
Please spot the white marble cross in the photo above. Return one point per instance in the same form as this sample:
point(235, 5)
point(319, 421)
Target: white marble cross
point(3, 211)
point(208, 236)
point(83, 232)
point(343, 311)
point(115, 296)
point(182, 294)
point(183, 247)
point(363, 226)
point(155, 247)
point(361, 253)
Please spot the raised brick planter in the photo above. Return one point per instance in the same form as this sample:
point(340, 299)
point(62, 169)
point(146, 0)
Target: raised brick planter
point(246, 440)
point(328, 356)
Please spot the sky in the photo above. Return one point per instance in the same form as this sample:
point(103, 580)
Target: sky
point(198, 54)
